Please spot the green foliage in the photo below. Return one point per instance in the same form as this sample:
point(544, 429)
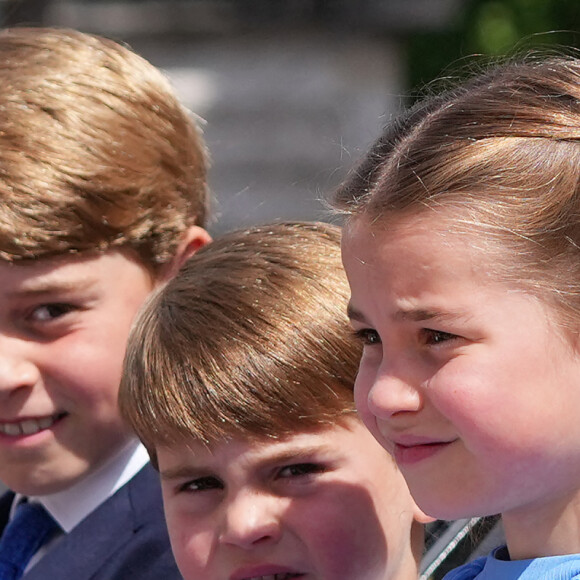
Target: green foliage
point(492, 28)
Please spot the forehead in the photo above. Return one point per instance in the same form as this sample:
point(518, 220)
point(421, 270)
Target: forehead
point(250, 448)
point(70, 271)
point(417, 270)
point(426, 244)
point(348, 438)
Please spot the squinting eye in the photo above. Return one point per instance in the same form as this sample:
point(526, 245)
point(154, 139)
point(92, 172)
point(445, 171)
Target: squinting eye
point(430, 336)
point(368, 336)
point(202, 484)
point(300, 469)
point(48, 312)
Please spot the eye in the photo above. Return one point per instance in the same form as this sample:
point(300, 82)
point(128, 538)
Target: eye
point(300, 470)
point(48, 312)
point(433, 337)
point(368, 336)
point(202, 484)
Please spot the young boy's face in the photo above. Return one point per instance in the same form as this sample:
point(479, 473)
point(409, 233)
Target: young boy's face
point(63, 328)
point(318, 505)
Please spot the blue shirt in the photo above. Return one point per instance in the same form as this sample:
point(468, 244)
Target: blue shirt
point(492, 568)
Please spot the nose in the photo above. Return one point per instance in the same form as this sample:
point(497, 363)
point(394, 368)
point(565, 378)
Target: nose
point(251, 519)
point(17, 370)
point(393, 392)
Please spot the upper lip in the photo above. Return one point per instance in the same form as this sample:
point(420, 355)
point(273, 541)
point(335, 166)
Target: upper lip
point(416, 440)
point(259, 570)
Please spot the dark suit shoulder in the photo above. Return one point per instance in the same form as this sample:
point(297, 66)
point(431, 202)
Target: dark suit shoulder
point(125, 538)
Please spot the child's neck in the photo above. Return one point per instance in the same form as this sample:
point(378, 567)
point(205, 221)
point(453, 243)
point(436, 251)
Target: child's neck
point(548, 530)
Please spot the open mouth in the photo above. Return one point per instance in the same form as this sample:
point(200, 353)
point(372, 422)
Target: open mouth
point(285, 576)
point(29, 426)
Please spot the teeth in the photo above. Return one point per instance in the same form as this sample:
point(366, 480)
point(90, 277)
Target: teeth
point(27, 427)
point(46, 422)
point(10, 429)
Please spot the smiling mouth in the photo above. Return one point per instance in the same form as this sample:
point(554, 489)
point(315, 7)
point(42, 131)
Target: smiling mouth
point(29, 426)
point(410, 454)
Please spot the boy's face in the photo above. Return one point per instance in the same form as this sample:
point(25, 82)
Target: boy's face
point(63, 328)
point(318, 505)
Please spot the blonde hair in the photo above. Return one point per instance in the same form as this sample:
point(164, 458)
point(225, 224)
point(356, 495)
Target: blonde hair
point(95, 150)
point(499, 158)
point(250, 338)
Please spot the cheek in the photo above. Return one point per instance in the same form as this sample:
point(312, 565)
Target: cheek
point(87, 365)
point(362, 387)
point(464, 391)
point(485, 405)
point(191, 547)
point(361, 393)
point(343, 544)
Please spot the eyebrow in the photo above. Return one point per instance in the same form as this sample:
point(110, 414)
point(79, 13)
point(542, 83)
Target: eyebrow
point(293, 454)
point(283, 456)
point(354, 314)
point(43, 287)
point(412, 315)
point(182, 472)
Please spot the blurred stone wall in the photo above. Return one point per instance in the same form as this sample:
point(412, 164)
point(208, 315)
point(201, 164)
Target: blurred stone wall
point(292, 92)
point(286, 115)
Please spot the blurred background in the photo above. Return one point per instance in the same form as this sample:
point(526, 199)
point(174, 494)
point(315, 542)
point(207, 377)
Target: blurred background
point(294, 91)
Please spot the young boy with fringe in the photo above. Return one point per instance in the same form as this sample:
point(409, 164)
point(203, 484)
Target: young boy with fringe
point(239, 380)
point(102, 196)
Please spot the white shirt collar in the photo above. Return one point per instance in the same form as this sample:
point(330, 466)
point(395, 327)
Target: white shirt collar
point(71, 506)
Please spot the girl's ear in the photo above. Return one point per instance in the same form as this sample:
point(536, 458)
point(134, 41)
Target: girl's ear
point(194, 238)
point(418, 532)
point(421, 517)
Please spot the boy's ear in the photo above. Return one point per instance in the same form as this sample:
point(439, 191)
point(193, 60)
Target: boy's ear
point(192, 239)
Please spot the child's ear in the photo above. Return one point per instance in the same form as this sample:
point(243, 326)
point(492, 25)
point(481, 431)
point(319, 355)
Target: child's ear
point(421, 517)
point(194, 238)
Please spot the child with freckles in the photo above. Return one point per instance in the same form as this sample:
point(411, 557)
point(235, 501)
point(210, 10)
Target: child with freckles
point(238, 380)
point(462, 250)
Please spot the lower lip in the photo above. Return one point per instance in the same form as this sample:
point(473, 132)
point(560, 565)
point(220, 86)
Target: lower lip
point(417, 453)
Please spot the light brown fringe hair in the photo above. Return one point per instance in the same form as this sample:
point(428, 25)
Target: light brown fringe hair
point(250, 339)
point(496, 158)
point(95, 150)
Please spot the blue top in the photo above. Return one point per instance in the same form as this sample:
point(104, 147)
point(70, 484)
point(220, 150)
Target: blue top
point(493, 568)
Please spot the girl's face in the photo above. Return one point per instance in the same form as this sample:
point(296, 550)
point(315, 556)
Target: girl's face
point(466, 380)
point(317, 505)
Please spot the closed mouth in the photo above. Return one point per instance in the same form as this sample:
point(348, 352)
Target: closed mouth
point(29, 426)
point(417, 452)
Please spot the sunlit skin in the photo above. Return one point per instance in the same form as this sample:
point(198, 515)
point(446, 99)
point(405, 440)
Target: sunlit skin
point(468, 381)
point(63, 328)
point(64, 324)
point(322, 505)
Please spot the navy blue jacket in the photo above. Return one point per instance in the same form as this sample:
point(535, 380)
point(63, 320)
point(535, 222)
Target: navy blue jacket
point(125, 538)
